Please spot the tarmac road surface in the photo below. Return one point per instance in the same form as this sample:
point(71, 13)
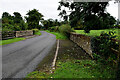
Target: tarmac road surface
point(21, 58)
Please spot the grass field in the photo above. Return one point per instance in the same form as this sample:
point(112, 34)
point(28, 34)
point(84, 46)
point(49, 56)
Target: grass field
point(3, 42)
point(57, 34)
point(98, 32)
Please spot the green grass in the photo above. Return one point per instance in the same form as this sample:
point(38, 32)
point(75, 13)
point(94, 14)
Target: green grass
point(98, 32)
point(82, 69)
point(57, 34)
point(4, 42)
point(77, 69)
point(38, 33)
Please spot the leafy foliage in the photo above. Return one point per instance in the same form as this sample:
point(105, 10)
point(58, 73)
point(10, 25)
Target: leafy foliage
point(89, 14)
point(15, 23)
point(47, 24)
point(58, 35)
point(54, 28)
point(35, 30)
point(102, 45)
point(65, 29)
point(33, 19)
point(77, 69)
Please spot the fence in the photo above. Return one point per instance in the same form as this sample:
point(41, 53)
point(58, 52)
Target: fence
point(12, 34)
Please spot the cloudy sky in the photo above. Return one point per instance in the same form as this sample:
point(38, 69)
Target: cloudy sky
point(47, 7)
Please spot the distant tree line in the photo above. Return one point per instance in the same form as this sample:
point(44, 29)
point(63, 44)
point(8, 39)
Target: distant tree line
point(33, 20)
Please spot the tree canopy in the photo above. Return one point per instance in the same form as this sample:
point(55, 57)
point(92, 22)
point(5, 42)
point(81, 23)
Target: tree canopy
point(89, 14)
point(34, 18)
point(14, 22)
point(50, 23)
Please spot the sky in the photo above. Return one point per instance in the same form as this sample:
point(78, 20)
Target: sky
point(47, 7)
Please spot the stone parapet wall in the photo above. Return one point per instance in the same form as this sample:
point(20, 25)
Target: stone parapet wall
point(12, 34)
point(83, 41)
point(24, 33)
point(0, 35)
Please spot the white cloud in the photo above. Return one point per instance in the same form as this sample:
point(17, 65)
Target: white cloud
point(47, 7)
point(113, 9)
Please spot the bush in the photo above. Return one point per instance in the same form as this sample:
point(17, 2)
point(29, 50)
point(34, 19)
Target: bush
point(7, 26)
point(102, 45)
point(53, 29)
point(65, 29)
point(118, 26)
point(6, 29)
point(17, 28)
point(35, 30)
point(23, 25)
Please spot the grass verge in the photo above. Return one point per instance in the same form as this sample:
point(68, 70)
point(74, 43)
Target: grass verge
point(73, 62)
point(98, 32)
point(57, 34)
point(4, 42)
point(37, 33)
point(82, 69)
point(77, 69)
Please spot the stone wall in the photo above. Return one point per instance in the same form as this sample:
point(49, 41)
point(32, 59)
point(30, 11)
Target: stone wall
point(0, 35)
point(83, 41)
point(24, 33)
point(8, 34)
point(12, 34)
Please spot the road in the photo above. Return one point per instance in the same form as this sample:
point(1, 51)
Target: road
point(20, 58)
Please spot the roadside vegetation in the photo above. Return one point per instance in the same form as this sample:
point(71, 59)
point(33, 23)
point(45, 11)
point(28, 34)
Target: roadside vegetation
point(98, 32)
point(77, 69)
point(58, 35)
point(91, 20)
point(61, 32)
point(36, 32)
point(82, 69)
point(9, 41)
point(87, 18)
point(72, 62)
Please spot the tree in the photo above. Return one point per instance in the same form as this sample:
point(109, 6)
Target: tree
point(50, 23)
point(17, 17)
point(15, 22)
point(6, 15)
point(19, 23)
point(89, 13)
point(45, 24)
point(7, 18)
point(7, 21)
point(109, 21)
point(0, 23)
point(56, 22)
point(33, 19)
